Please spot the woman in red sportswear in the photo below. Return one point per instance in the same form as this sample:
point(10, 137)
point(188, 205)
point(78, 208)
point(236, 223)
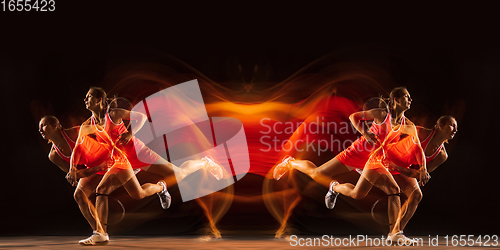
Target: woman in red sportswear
point(63, 143)
point(139, 155)
point(403, 155)
point(384, 129)
point(387, 127)
point(92, 153)
point(106, 123)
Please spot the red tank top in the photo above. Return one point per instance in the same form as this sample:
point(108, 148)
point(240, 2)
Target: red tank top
point(92, 153)
point(70, 143)
point(385, 132)
point(424, 144)
point(114, 131)
point(403, 152)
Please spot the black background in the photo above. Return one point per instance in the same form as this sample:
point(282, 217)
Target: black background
point(445, 55)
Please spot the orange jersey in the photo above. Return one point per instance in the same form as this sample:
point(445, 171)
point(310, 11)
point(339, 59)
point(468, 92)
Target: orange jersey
point(92, 153)
point(360, 150)
point(114, 131)
point(405, 153)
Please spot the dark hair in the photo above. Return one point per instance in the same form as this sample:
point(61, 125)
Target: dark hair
point(382, 103)
point(52, 120)
point(444, 119)
point(397, 92)
point(100, 93)
point(112, 102)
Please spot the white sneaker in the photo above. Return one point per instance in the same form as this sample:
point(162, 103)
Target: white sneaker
point(282, 167)
point(331, 196)
point(165, 198)
point(212, 167)
point(95, 239)
point(400, 239)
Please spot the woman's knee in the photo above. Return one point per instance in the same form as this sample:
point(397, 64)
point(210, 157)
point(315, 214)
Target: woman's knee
point(133, 191)
point(356, 192)
point(78, 195)
point(305, 165)
point(358, 196)
point(392, 189)
point(416, 195)
point(104, 189)
point(136, 195)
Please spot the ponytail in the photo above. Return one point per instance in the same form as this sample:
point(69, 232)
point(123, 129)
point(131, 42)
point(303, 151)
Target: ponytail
point(383, 103)
point(111, 103)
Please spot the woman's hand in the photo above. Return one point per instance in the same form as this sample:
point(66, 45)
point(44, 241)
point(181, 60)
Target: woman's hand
point(72, 176)
point(424, 176)
point(125, 138)
point(371, 138)
point(91, 171)
point(412, 173)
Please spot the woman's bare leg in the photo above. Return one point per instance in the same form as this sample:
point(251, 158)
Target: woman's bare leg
point(383, 181)
point(387, 184)
point(411, 189)
point(206, 203)
point(113, 180)
point(134, 188)
point(107, 185)
point(322, 174)
point(362, 187)
point(289, 203)
point(85, 188)
point(167, 170)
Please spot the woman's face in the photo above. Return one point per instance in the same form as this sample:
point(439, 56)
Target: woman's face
point(46, 129)
point(450, 128)
point(91, 102)
point(405, 100)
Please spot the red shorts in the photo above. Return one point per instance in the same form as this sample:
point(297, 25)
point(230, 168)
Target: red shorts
point(143, 158)
point(357, 154)
point(378, 162)
point(403, 153)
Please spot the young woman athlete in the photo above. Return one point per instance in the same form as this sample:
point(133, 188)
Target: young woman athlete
point(91, 153)
point(63, 140)
point(387, 127)
point(356, 155)
point(63, 143)
point(111, 119)
point(405, 153)
point(107, 124)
